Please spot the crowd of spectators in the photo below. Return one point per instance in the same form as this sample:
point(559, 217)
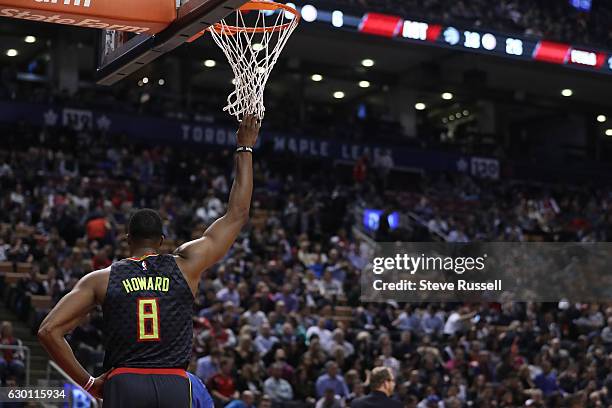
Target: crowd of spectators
point(550, 19)
point(462, 210)
point(270, 328)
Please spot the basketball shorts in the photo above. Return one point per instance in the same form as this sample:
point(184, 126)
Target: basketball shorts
point(154, 388)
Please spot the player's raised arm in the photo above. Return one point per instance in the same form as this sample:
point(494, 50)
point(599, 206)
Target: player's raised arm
point(67, 315)
point(196, 256)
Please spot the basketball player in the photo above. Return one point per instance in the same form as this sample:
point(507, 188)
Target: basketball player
point(147, 303)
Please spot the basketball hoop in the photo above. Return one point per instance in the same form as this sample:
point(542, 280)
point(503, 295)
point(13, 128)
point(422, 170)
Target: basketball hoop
point(252, 46)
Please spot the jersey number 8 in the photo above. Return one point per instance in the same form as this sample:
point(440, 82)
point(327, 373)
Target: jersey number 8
point(148, 319)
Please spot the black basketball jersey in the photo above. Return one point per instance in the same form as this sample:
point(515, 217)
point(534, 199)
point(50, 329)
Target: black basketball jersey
point(148, 313)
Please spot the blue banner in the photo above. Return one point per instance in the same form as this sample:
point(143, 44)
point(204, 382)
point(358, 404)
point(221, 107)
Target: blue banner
point(169, 131)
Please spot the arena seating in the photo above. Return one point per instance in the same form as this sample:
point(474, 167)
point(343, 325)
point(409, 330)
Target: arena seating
point(298, 264)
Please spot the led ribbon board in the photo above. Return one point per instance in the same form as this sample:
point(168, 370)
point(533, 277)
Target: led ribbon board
point(135, 16)
point(471, 40)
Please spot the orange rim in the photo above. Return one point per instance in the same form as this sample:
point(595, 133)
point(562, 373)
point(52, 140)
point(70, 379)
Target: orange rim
point(257, 5)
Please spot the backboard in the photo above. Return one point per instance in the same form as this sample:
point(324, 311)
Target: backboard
point(122, 53)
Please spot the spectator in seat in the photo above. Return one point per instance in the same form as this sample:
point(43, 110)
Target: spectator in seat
point(277, 387)
point(457, 321)
point(338, 341)
point(97, 228)
point(12, 361)
point(265, 402)
point(87, 343)
point(546, 381)
point(255, 317)
point(245, 351)
point(329, 400)
point(331, 380)
point(265, 340)
point(280, 359)
point(208, 366)
point(229, 294)
point(249, 379)
point(290, 300)
point(432, 322)
point(606, 335)
point(324, 335)
point(52, 285)
point(221, 385)
point(329, 288)
point(246, 401)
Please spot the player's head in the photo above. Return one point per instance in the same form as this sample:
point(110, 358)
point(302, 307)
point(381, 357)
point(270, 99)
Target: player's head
point(145, 229)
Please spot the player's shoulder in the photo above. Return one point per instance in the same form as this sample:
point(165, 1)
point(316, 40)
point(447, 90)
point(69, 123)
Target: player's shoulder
point(97, 281)
point(97, 275)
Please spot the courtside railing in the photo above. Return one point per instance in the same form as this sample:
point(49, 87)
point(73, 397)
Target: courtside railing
point(52, 367)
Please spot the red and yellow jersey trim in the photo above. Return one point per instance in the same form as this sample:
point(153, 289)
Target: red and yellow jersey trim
point(142, 258)
point(145, 371)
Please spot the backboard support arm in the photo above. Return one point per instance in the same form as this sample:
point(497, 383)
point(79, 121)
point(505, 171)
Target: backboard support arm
point(193, 17)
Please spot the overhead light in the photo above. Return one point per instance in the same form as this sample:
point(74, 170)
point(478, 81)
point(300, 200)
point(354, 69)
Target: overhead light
point(608, 132)
point(12, 53)
point(444, 120)
point(339, 95)
point(30, 39)
point(337, 18)
point(447, 96)
point(145, 80)
point(367, 63)
point(364, 84)
point(140, 83)
point(458, 115)
point(210, 63)
point(289, 15)
point(466, 112)
point(451, 117)
point(317, 77)
point(601, 118)
point(420, 106)
point(309, 13)
point(161, 82)
point(567, 92)
point(257, 47)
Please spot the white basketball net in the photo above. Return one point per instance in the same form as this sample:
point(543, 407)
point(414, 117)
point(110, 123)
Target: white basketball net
point(252, 55)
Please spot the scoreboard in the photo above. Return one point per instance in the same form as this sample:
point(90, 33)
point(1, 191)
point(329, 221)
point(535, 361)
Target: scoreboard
point(466, 39)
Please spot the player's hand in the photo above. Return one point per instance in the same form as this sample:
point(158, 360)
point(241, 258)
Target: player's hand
point(97, 389)
point(248, 131)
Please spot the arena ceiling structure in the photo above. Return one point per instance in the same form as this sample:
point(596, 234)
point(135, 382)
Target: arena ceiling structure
point(338, 66)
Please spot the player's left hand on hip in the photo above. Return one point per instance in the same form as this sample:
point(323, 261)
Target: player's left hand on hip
point(97, 389)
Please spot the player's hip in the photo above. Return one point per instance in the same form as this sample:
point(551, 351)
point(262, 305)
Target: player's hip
point(147, 388)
